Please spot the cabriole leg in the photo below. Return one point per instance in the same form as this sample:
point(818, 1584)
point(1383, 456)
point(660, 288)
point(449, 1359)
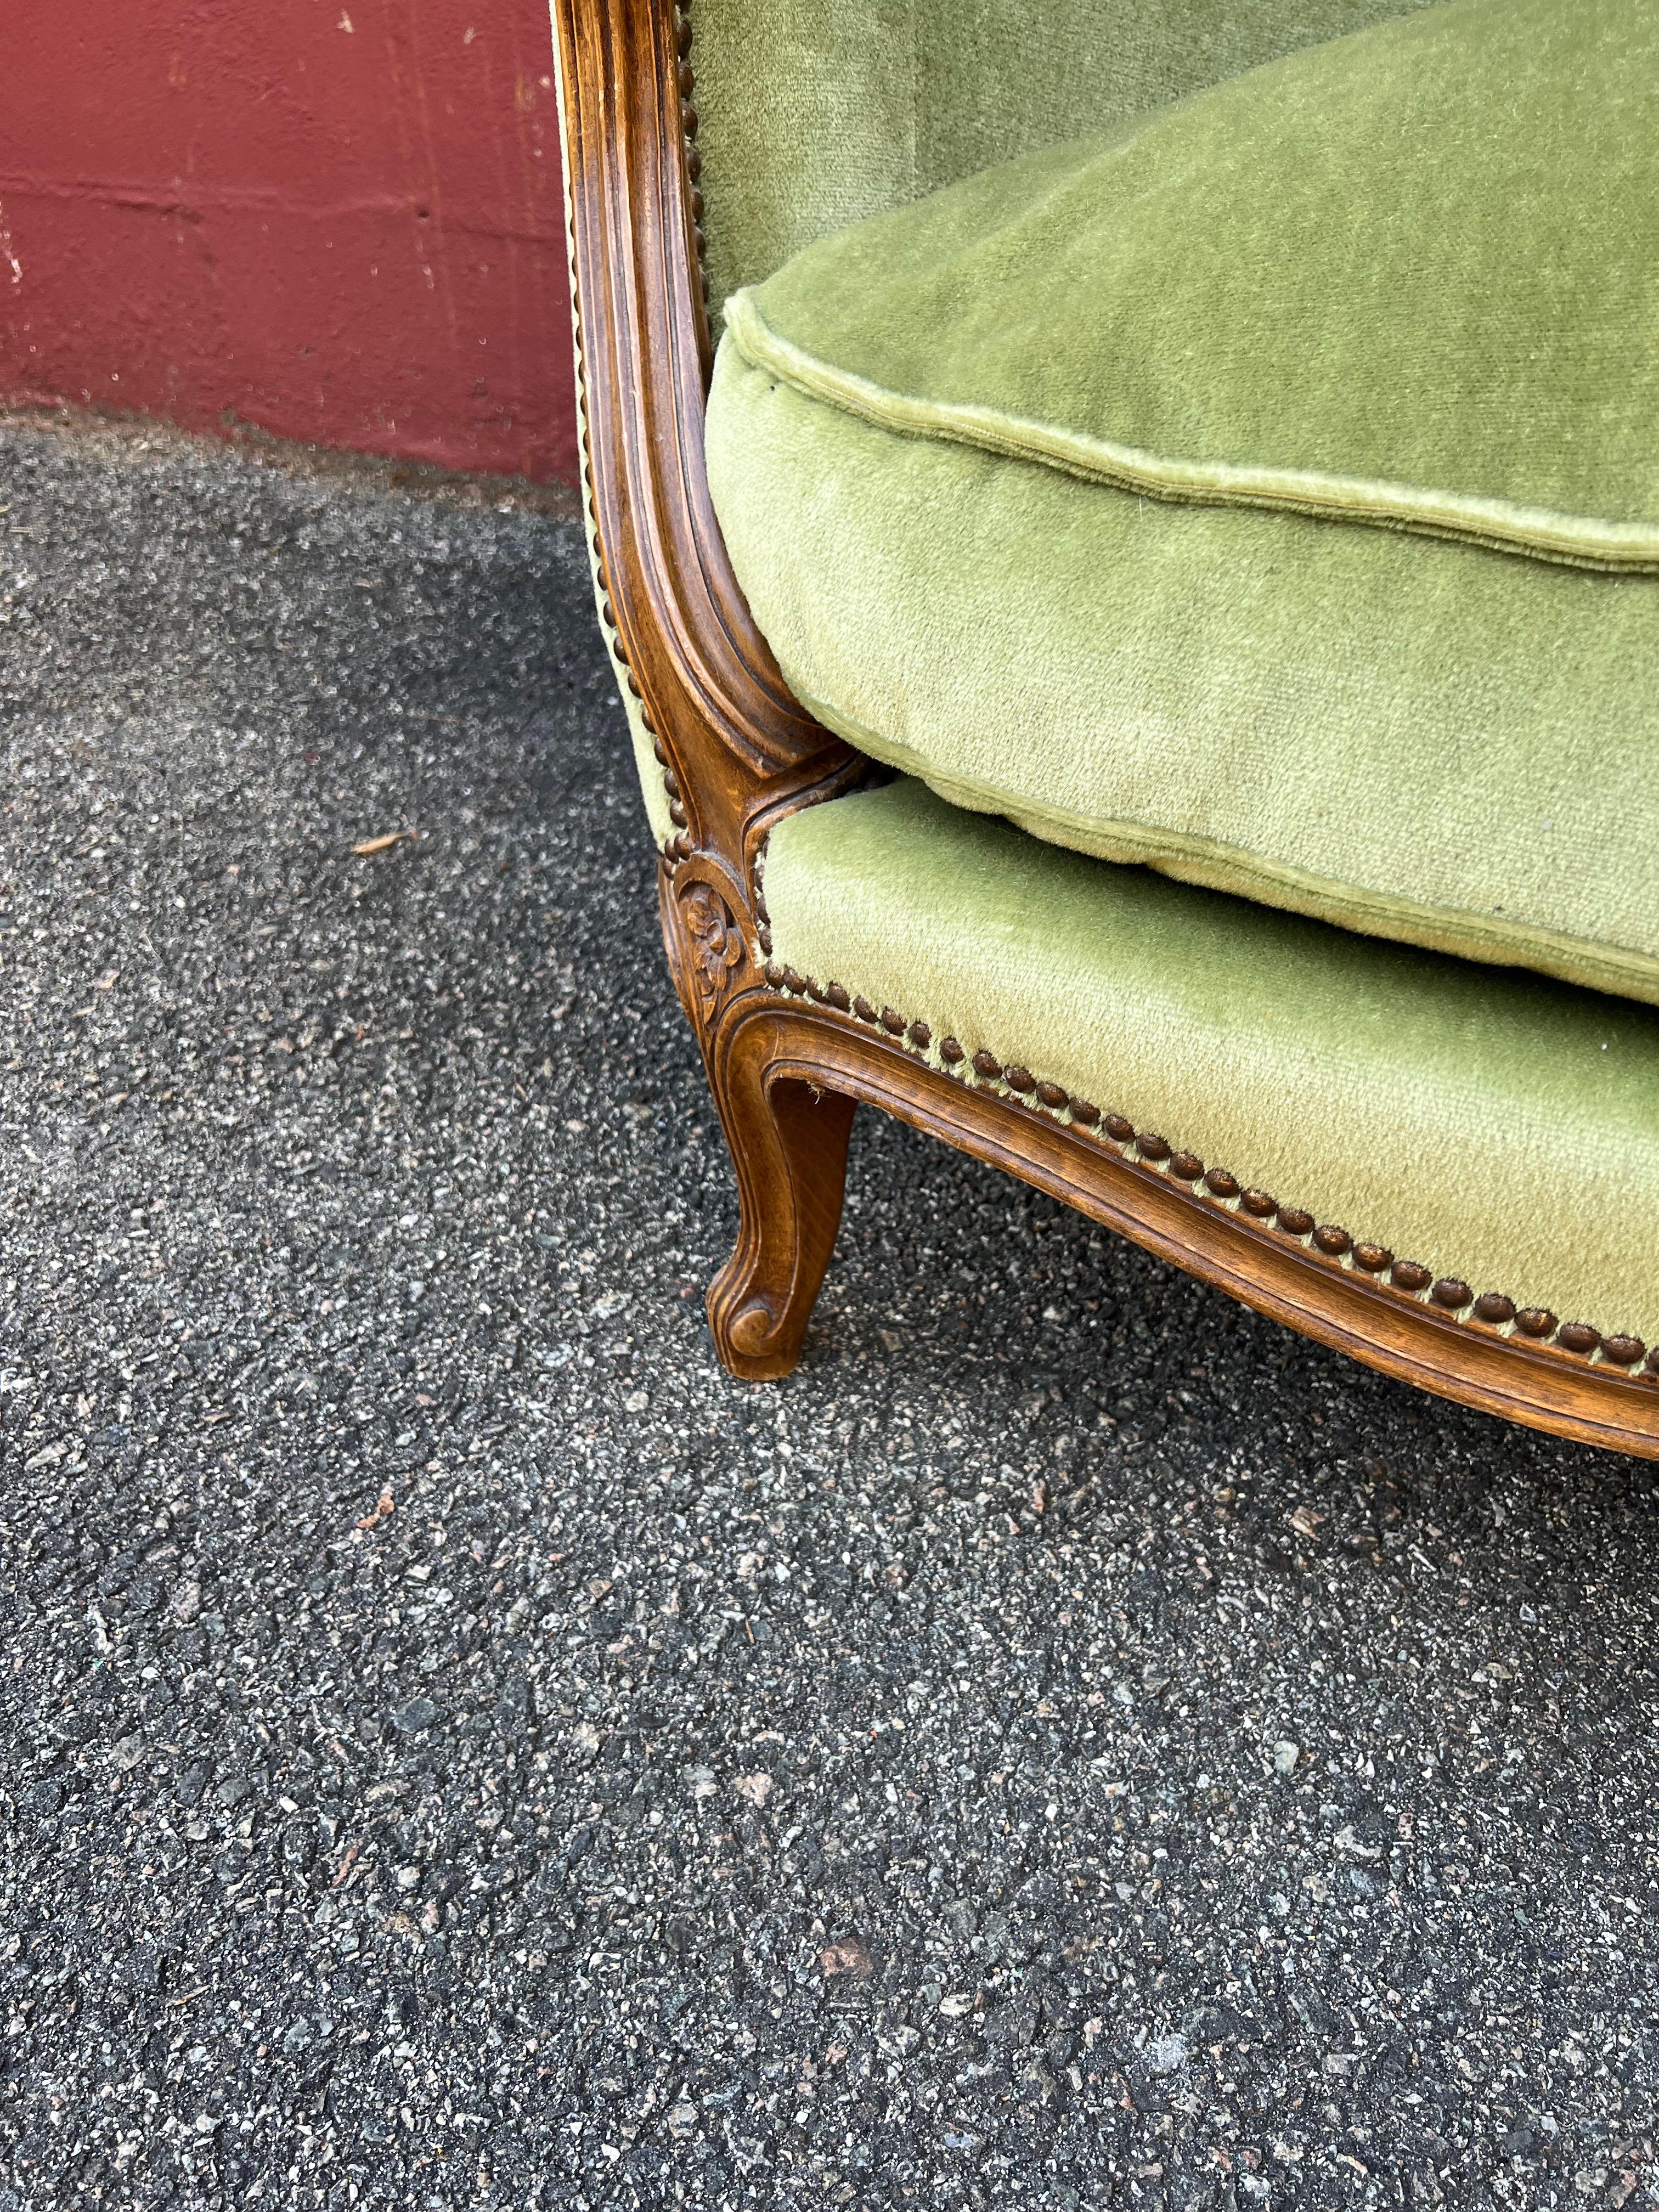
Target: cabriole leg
point(789, 1145)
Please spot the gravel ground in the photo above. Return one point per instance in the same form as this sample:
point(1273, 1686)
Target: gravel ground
point(1073, 1744)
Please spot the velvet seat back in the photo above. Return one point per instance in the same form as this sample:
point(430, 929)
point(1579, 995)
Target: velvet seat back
point(816, 113)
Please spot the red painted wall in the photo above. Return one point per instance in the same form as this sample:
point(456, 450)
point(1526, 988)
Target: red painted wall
point(338, 220)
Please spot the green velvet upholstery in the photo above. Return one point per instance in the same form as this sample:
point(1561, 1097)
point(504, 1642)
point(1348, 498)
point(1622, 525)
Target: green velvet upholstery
point(1405, 280)
point(1334, 720)
point(815, 113)
point(1494, 1125)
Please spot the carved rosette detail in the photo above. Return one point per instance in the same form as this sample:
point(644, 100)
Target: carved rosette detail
point(713, 939)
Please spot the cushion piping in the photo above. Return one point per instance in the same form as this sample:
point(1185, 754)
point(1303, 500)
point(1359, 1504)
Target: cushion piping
point(1217, 866)
point(1496, 525)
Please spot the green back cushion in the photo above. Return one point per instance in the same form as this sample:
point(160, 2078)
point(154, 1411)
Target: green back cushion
point(815, 113)
point(1268, 489)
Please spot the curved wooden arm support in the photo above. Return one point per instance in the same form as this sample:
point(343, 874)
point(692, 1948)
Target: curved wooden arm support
point(737, 750)
point(738, 753)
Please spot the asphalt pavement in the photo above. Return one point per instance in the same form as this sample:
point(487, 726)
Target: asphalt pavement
point(1073, 1744)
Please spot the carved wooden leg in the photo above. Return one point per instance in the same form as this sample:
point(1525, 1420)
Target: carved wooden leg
point(787, 1138)
point(789, 1145)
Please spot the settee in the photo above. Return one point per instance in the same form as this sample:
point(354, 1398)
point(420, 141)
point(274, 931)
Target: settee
point(1129, 535)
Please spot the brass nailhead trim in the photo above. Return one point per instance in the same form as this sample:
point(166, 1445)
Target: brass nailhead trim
point(693, 159)
point(1449, 1293)
point(678, 846)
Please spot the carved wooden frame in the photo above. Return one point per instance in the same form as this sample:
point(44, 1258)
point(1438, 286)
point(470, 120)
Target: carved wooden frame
point(788, 1060)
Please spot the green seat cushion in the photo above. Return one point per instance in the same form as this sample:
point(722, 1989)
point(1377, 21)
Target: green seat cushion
point(1494, 1125)
point(1267, 490)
